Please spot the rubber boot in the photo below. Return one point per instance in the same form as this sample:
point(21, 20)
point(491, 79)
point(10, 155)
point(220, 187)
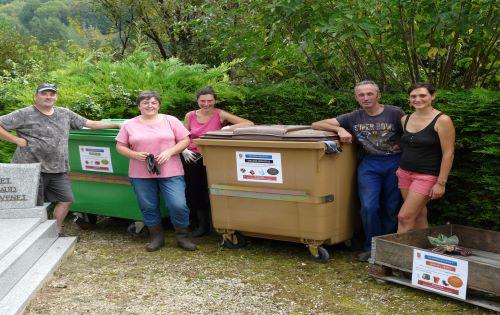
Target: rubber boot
point(203, 225)
point(157, 238)
point(183, 239)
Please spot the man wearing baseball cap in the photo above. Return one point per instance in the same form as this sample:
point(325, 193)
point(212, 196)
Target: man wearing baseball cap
point(42, 137)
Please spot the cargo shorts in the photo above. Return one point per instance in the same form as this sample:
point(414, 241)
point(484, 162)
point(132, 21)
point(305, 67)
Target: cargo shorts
point(54, 187)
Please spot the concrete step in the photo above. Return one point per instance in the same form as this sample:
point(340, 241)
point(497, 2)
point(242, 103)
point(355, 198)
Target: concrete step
point(15, 301)
point(20, 258)
point(36, 212)
point(12, 231)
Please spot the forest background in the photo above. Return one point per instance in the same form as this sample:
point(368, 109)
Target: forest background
point(272, 61)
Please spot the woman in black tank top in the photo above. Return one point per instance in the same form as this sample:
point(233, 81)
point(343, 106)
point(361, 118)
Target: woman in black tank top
point(427, 156)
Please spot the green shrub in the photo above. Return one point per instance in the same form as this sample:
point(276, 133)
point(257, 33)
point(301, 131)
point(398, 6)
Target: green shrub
point(288, 104)
point(472, 194)
point(99, 88)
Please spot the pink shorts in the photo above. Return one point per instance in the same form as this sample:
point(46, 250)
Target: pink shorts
point(416, 182)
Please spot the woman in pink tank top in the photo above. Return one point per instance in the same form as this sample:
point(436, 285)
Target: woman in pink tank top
point(198, 122)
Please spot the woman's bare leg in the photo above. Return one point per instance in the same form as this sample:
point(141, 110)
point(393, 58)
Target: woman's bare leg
point(421, 221)
point(411, 214)
point(404, 193)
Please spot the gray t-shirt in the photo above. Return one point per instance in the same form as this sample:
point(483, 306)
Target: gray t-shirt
point(47, 136)
point(378, 135)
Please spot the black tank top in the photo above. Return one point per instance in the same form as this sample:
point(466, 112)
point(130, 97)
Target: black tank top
point(421, 151)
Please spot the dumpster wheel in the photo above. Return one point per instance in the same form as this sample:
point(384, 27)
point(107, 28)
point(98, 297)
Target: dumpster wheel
point(137, 228)
point(233, 240)
point(86, 221)
point(319, 253)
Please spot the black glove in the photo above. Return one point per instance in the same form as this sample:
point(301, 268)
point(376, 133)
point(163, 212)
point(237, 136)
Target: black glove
point(151, 165)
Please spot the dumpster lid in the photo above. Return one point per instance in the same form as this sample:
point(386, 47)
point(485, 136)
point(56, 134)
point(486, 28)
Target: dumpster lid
point(273, 132)
point(104, 132)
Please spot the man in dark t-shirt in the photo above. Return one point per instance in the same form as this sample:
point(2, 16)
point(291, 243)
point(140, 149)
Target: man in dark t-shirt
point(42, 132)
point(377, 128)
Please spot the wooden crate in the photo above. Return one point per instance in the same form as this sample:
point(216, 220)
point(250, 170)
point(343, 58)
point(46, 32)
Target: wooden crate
point(392, 257)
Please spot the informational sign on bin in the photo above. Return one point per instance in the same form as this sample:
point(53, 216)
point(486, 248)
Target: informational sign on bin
point(442, 274)
point(96, 159)
point(261, 167)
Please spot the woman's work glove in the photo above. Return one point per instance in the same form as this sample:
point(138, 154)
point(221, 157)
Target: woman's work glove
point(189, 156)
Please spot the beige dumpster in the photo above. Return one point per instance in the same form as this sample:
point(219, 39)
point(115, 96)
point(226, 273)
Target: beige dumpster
point(278, 182)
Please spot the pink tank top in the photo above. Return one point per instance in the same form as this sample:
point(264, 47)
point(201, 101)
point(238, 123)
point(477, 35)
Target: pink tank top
point(197, 130)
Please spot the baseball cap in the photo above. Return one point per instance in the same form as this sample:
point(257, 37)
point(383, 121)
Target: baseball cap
point(46, 87)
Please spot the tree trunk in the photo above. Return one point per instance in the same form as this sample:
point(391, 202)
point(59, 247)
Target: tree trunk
point(414, 56)
point(405, 42)
point(379, 60)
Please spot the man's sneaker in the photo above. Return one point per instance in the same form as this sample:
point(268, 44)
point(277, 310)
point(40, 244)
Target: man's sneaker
point(363, 256)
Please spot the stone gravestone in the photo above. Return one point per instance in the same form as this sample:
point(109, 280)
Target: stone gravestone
point(18, 190)
point(19, 185)
point(30, 248)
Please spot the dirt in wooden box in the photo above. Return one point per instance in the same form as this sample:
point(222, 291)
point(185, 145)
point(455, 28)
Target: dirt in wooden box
point(110, 273)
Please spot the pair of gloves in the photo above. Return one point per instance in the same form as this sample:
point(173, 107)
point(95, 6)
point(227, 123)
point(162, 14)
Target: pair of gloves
point(151, 165)
point(331, 147)
point(190, 156)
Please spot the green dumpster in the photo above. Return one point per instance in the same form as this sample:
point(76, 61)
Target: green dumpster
point(99, 175)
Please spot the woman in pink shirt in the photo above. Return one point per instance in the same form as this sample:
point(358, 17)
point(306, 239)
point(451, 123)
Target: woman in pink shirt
point(152, 142)
point(198, 122)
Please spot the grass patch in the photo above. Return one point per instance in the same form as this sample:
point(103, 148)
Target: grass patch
point(110, 273)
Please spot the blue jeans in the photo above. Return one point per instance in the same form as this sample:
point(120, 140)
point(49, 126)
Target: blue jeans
point(173, 191)
point(379, 196)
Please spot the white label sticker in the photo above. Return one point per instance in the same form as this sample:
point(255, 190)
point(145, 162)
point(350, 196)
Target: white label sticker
point(439, 273)
point(261, 167)
point(95, 159)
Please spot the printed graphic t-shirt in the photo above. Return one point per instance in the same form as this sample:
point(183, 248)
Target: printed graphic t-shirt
point(47, 136)
point(378, 135)
point(153, 138)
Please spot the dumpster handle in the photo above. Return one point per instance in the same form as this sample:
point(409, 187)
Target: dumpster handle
point(99, 178)
point(319, 156)
point(268, 194)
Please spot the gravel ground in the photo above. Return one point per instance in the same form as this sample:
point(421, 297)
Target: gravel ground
point(110, 273)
